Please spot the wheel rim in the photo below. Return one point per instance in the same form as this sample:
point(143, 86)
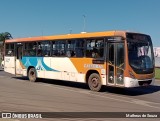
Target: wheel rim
point(32, 75)
point(94, 82)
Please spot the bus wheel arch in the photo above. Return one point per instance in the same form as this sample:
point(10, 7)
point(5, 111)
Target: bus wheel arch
point(93, 80)
point(31, 73)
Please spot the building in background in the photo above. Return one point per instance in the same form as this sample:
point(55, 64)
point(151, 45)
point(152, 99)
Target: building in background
point(157, 56)
point(157, 51)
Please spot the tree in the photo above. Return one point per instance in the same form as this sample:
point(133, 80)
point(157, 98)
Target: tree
point(4, 36)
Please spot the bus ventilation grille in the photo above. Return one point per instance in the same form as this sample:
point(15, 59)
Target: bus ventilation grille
point(144, 83)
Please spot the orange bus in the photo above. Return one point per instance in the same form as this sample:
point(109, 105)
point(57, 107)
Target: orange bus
point(111, 58)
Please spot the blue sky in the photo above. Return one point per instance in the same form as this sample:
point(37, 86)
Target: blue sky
point(26, 18)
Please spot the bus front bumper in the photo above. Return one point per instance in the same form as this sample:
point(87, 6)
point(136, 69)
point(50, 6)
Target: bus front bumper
point(129, 82)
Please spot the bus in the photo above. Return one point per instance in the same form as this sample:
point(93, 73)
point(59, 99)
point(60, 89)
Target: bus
point(110, 58)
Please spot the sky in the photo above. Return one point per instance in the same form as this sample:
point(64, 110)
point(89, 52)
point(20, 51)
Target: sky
point(27, 18)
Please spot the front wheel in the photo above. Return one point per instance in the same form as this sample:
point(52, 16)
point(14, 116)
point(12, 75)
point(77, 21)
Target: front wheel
point(32, 74)
point(94, 82)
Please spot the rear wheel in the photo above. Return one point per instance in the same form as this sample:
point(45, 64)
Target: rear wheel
point(94, 82)
point(32, 74)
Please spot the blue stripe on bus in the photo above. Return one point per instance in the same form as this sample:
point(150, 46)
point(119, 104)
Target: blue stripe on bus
point(37, 62)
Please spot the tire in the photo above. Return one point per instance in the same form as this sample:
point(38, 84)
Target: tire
point(32, 75)
point(94, 82)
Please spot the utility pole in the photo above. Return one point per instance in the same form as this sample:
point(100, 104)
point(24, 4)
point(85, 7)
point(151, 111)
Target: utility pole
point(70, 31)
point(84, 23)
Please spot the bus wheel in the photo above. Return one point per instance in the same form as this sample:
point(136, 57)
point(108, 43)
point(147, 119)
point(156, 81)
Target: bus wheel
point(94, 82)
point(32, 74)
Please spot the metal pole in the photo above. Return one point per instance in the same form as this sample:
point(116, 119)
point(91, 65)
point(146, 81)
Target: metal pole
point(84, 20)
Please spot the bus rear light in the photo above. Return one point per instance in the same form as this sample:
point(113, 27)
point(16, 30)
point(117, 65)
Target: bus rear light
point(131, 75)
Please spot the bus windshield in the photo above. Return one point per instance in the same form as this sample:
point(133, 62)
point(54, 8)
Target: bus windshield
point(140, 53)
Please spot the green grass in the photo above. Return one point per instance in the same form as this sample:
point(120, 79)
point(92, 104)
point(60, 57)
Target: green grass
point(157, 73)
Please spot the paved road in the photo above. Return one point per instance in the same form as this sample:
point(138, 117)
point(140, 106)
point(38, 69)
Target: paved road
point(20, 95)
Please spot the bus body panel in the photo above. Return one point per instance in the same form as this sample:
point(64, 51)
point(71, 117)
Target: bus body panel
point(9, 63)
point(19, 67)
point(24, 72)
point(53, 68)
point(63, 68)
point(129, 82)
point(62, 64)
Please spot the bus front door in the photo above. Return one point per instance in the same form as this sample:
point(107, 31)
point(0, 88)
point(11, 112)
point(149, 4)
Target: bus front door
point(19, 69)
point(115, 64)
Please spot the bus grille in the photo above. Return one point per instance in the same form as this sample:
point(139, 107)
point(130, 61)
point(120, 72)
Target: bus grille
point(145, 83)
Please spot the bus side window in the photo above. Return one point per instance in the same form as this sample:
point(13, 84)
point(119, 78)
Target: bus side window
point(95, 48)
point(58, 48)
point(6, 49)
point(54, 48)
point(44, 48)
point(89, 48)
point(10, 49)
point(100, 47)
point(61, 50)
point(30, 49)
point(70, 48)
point(79, 48)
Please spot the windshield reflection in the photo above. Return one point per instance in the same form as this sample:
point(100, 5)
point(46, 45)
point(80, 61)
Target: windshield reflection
point(140, 56)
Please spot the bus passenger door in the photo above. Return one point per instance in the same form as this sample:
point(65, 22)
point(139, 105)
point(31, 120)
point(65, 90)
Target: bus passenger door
point(115, 64)
point(19, 69)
